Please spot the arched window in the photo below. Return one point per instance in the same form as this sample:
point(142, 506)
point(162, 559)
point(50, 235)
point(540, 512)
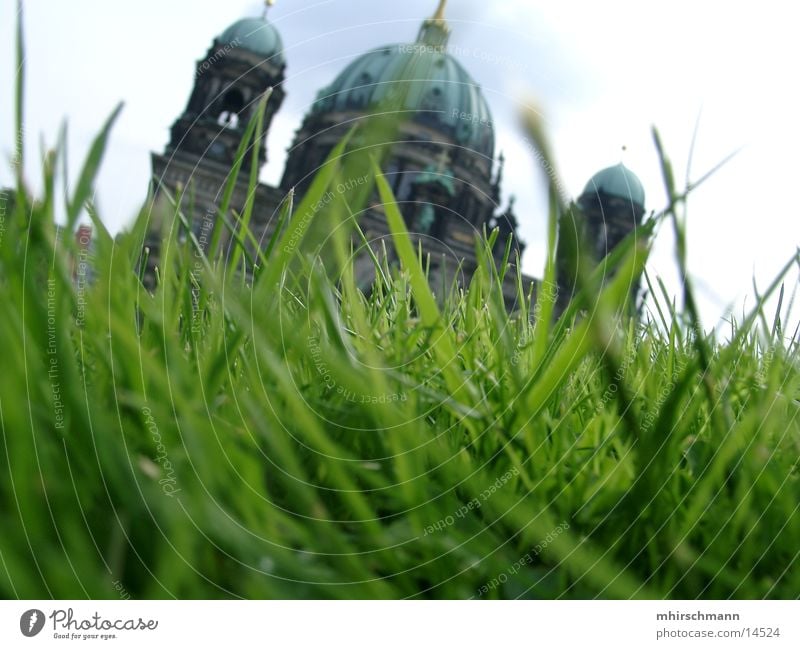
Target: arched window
point(231, 107)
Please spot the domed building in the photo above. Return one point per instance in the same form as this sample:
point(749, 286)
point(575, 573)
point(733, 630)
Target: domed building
point(441, 166)
point(438, 157)
point(448, 118)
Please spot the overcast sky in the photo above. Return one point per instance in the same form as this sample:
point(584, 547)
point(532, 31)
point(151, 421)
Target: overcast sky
point(601, 74)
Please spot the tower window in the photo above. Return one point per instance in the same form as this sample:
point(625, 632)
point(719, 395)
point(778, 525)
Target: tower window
point(231, 107)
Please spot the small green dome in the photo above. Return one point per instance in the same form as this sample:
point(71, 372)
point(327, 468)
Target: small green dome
point(440, 91)
point(617, 181)
point(256, 35)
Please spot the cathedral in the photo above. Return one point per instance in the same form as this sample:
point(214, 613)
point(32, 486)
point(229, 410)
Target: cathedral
point(441, 164)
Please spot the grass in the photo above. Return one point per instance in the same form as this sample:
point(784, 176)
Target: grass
point(287, 436)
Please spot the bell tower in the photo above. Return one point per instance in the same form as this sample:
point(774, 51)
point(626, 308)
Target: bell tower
point(611, 207)
point(242, 63)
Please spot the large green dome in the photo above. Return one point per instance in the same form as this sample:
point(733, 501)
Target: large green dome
point(617, 181)
point(439, 90)
point(256, 35)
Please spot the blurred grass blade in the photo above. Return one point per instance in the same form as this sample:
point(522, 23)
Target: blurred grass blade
point(85, 185)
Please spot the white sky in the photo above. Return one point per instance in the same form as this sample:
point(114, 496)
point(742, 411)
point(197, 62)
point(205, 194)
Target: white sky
point(602, 74)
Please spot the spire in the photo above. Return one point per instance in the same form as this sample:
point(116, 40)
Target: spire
point(509, 216)
point(501, 163)
point(267, 5)
point(435, 31)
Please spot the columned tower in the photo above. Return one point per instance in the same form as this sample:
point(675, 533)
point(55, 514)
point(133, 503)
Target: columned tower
point(244, 61)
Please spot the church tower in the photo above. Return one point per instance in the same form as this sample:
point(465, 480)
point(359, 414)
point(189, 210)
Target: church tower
point(610, 208)
point(244, 61)
point(613, 205)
